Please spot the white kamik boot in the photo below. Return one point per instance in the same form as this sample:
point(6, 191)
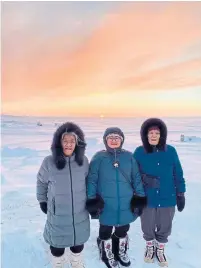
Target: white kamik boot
point(120, 247)
point(106, 253)
point(76, 260)
point(149, 251)
point(160, 255)
point(58, 262)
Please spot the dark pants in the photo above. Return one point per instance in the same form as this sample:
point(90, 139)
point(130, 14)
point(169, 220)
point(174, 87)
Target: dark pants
point(156, 223)
point(58, 252)
point(105, 232)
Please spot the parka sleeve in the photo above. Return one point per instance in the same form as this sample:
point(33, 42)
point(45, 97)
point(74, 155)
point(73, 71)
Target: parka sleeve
point(136, 179)
point(136, 154)
point(92, 178)
point(178, 174)
point(42, 182)
point(86, 167)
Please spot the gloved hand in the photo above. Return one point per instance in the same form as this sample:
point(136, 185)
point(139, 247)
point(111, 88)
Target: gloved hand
point(95, 215)
point(180, 201)
point(138, 211)
point(95, 206)
point(43, 207)
point(138, 203)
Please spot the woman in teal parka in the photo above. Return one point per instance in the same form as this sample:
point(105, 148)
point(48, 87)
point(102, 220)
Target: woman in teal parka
point(115, 192)
point(164, 184)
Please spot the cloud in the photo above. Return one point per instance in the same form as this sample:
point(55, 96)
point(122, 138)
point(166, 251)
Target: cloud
point(178, 75)
point(135, 47)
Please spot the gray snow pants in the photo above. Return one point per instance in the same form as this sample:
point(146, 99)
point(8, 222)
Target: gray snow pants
point(156, 223)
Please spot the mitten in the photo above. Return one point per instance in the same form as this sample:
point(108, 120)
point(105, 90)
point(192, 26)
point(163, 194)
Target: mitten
point(95, 206)
point(180, 201)
point(43, 207)
point(137, 204)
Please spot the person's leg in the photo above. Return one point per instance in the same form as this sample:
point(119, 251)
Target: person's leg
point(57, 257)
point(164, 227)
point(120, 245)
point(164, 220)
point(76, 260)
point(77, 249)
point(121, 231)
point(104, 242)
point(105, 232)
point(148, 226)
point(57, 252)
point(148, 223)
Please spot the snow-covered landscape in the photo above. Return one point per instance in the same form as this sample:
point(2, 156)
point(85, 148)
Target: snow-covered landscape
point(24, 145)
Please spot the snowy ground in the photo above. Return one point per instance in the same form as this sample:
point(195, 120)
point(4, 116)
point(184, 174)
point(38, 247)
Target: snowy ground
point(24, 145)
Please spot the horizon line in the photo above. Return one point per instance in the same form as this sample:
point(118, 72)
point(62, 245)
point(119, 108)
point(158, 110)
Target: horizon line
point(100, 117)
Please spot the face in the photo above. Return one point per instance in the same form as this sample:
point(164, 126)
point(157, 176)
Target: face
point(114, 142)
point(153, 137)
point(68, 144)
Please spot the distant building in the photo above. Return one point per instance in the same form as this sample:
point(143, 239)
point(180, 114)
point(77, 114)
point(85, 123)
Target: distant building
point(182, 137)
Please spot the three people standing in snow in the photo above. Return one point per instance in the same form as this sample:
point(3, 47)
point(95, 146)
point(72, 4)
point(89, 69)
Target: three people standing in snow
point(116, 188)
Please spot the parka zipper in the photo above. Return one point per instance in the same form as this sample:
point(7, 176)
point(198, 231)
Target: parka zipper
point(117, 182)
point(72, 201)
point(118, 212)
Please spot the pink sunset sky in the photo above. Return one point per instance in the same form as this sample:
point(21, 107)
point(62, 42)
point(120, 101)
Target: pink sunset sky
point(101, 58)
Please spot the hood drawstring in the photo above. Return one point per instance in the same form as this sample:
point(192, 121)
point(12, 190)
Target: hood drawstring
point(116, 164)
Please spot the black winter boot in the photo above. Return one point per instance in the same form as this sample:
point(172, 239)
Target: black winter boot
point(106, 253)
point(120, 247)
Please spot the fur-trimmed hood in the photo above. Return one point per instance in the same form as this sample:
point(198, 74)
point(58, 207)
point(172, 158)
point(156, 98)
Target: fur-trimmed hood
point(115, 130)
point(163, 134)
point(56, 148)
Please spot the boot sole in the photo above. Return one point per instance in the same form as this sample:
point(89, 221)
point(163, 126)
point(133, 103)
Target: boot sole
point(164, 264)
point(123, 264)
point(148, 260)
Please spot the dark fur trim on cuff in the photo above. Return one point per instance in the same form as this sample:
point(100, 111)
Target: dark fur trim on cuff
point(43, 207)
point(138, 202)
point(95, 204)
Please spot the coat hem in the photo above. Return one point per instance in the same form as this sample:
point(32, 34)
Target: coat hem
point(64, 246)
point(118, 224)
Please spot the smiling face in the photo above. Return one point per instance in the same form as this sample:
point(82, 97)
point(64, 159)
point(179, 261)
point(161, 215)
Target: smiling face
point(114, 141)
point(153, 136)
point(68, 143)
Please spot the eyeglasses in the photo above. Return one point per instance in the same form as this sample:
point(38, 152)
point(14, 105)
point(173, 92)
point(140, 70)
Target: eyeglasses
point(116, 138)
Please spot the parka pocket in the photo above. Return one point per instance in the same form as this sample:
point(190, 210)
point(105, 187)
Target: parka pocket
point(63, 206)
